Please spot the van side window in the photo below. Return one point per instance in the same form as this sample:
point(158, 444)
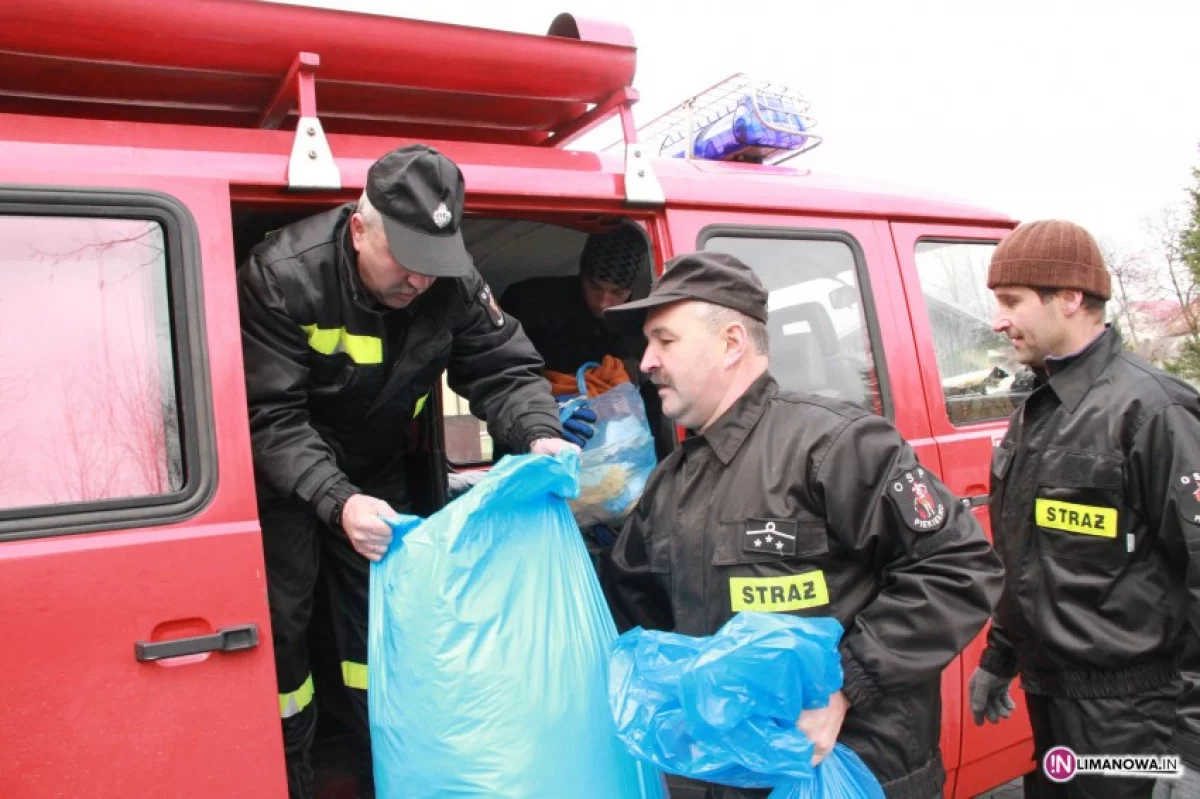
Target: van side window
point(87, 371)
point(816, 318)
point(981, 379)
point(467, 439)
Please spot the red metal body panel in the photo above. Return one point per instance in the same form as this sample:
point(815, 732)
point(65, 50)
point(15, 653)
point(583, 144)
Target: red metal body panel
point(248, 158)
point(967, 450)
point(81, 716)
point(219, 62)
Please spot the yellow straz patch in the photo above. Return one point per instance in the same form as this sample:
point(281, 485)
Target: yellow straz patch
point(775, 594)
point(1085, 519)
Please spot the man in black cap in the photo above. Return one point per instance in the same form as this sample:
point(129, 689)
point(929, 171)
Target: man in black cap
point(348, 320)
point(793, 503)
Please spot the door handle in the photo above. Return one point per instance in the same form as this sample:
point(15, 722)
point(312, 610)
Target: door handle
point(228, 639)
point(975, 501)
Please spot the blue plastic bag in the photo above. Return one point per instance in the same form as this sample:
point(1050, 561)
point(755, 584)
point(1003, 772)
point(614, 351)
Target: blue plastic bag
point(488, 650)
point(723, 708)
point(617, 460)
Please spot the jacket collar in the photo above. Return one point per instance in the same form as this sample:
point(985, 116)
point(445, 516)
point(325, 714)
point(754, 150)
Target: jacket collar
point(348, 264)
point(1071, 377)
point(729, 432)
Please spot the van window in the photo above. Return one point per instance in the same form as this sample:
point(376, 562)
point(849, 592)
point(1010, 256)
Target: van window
point(817, 322)
point(981, 379)
point(87, 374)
point(467, 439)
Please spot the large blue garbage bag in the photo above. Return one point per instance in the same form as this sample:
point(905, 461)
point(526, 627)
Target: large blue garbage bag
point(723, 708)
point(618, 459)
point(488, 650)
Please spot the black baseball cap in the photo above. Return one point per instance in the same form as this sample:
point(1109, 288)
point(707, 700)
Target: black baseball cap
point(714, 277)
point(419, 192)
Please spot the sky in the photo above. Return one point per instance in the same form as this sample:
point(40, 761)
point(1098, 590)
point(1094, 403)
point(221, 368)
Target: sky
point(1087, 110)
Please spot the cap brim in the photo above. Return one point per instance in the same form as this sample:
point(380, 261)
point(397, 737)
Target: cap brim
point(433, 256)
point(630, 317)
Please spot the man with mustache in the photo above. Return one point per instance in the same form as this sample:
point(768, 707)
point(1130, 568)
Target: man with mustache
point(348, 320)
point(794, 503)
point(1095, 514)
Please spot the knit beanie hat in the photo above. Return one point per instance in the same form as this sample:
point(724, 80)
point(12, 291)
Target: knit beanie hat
point(1050, 254)
point(616, 256)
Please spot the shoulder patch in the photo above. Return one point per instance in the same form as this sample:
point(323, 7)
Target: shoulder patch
point(917, 502)
point(488, 301)
point(1187, 496)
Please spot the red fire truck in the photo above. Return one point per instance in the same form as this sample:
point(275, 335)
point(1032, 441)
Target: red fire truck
point(145, 146)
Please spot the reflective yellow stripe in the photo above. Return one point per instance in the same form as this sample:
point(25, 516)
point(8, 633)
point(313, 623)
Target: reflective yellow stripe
point(420, 405)
point(354, 675)
point(1084, 519)
point(331, 340)
point(775, 594)
point(292, 703)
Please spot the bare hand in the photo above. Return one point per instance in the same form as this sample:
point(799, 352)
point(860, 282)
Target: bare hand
point(551, 446)
point(822, 725)
point(369, 534)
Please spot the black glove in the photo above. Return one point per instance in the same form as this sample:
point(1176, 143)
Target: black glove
point(989, 697)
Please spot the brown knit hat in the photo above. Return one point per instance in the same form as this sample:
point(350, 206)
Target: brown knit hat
point(1050, 254)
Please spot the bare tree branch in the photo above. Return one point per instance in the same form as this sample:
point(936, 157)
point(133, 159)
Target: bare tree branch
point(1165, 231)
point(1132, 276)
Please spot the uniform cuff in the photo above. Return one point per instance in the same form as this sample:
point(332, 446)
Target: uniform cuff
point(329, 506)
point(1001, 664)
point(858, 686)
point(538, 432)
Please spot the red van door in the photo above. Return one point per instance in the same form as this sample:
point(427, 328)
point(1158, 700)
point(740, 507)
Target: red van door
point(135, 645)
point(971, 385)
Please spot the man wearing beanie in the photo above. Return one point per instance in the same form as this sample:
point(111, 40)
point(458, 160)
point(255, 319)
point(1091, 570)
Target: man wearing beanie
point(1095, 508)
point(561, 315)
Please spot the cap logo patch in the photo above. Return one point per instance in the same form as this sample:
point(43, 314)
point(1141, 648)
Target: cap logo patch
point(442, 216)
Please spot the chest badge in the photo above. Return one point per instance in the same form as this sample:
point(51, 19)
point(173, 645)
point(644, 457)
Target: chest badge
point(919, 505)
point(770, 536)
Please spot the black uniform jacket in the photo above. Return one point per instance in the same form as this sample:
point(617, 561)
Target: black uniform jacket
point(799, 504)
point(334, 380)
point(1095, 508)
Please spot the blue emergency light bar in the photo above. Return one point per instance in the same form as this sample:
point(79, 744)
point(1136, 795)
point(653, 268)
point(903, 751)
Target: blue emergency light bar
point(758, 127)
point(736, 120)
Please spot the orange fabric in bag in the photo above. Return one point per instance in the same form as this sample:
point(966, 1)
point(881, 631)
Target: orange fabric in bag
point(610, 373)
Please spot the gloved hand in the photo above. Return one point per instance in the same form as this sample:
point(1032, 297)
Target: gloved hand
point(577, 428)
point(604, 535)
point(989, 697)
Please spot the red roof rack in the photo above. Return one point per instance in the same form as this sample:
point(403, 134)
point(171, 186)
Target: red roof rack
point(246, 64)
